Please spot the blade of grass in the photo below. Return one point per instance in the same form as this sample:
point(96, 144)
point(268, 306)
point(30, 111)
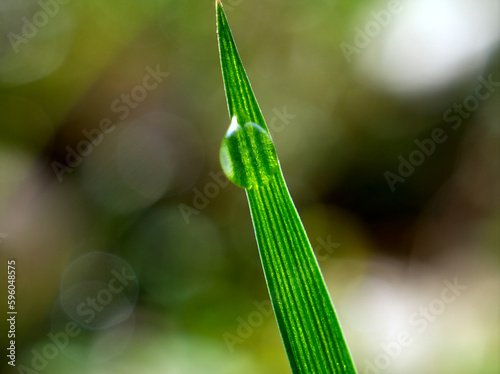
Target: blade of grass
point(307, 321)
point(241, 101)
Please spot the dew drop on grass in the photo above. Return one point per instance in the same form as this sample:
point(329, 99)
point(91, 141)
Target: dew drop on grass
point(247, 155)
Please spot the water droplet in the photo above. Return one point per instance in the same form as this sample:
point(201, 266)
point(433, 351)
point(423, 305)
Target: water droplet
point(247, 155)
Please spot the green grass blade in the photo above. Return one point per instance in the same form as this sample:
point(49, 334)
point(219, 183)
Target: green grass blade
point(309, 327)
point(241, 101)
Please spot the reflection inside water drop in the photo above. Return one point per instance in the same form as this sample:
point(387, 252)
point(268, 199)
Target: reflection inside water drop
point(247, 155)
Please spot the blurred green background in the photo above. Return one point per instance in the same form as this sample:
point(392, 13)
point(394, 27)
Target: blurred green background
point(404, 217)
